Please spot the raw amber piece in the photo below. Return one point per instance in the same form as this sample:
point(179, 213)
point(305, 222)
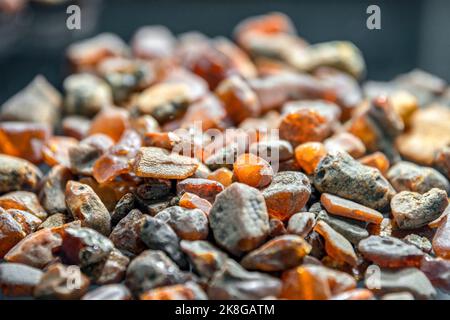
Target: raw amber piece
point(437, 222)
point(376, 160)
point(23, 200)
point(336, 245)
point(154, 162)
point(165, 140)
point(37, 249)
point(52, 194)
point(239, 99)
point(18, 174)
point(252, 170)
point(308, 121)
point(204, 188)
point(240, 60)
point(126, 234)
point(278, 254)
point(355, 294)
point(27, 221)
point(309, 154)
point(110, 121)
point(85, 205)
point(110, 270)
point(188, 291)
point(56, 150)
point(208, 113)
point(222, 175)
point(11, 232)
point(346, 208)
point(313, 282)
point(23, 139)
point(347, 142)
point(441, 240)
point(193, 201)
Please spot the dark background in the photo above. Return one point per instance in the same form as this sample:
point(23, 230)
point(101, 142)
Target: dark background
point(415, 33)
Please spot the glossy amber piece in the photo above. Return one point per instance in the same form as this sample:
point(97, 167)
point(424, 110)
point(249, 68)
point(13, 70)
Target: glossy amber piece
point(309, 154)
point(193, 201)
point(222, 175)
point(56, 150)
point(376, 160)
point(346, 208)
point(165, 140)
point(190, 291)
point(336, 245)
point(204, 188)
point(252, 170)
point(23, 139)
point(110, 121)
point(441, 239)
point(23, 200)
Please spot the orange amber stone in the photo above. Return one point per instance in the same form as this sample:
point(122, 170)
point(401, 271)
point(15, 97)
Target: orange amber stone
point(222, 175)
point(23, 139)
point(176, 292)
point(56, 150)
point(336, 246)
point(208, 112)
point(204, 188)
point(309, 154)
point(165, 140)
point(441, 240)
point(253, 170)
point(346, 208)
point(355, 294)
point(11, 232)
point(314, 282)
point(192, 201)
point(23, 200)
point(376, 160)
point(239, 99)
point(110, 121)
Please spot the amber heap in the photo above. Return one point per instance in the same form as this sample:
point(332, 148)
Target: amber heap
point(188, 167)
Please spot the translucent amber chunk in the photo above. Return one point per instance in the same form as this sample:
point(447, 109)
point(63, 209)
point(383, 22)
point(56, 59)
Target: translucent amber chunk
point(309, 154)
point(222, 175)
point(252, 170)
point(56, 150)
point(192, 201)
point(376, 160)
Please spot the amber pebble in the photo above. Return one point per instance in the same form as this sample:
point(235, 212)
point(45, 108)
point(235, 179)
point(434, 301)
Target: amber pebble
point(287, 194)
point(313, 282)
point(390, 252)
point(151, 269)
point(240, 60)
point(18, 280)
point(192, 201)
point(301, 223)
point(76, 127)
point(222, 175)
point(308, 121)
point(83, 157)
point(413, 210)
point(278, 254)
point(355, 294)
point(165, 140)
point(109, 292)
point(85, 205)
point(154, 162)
point(336, 245)
point(11, 232)
point(38, 102)
point(232, 282)
point(23, 200)
point(309, 154)
point(204, 188)
point(84, 246)
point(341, 175)
point(62, 282)
point(407, 176)
point(28, 221)
point(277, 228)
point(187, 291)
point(442, 161)
point(346, 208)
point(438, 271)
point(23, 139)
point(110, 121)
point(252, 170)
point(126, 234)
point(441, 239)
point(376, 160)
point(347, 142)
point(110, 270)
point(52, 194)
point(239, 99)
point(56, 150)
point(239, 218)
point(36, 250)
point(18, 174)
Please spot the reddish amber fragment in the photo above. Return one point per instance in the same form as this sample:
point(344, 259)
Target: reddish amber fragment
point(11, 232)
point(204, 188)
point(56, 150)
point(336, 245)
point(309, 154)
point(110, 121)
point(207, 113)
point(23, 200)
point(253, 170)
point(313, 282)
point(441, 240)
point(165, 140)
point(350, 209)
point(189, 291)
point(27, 221)
point(346, 142)
point(240, 60)
point(376, 160)
point(222, 175)
point(23, 139)
point(192, 201)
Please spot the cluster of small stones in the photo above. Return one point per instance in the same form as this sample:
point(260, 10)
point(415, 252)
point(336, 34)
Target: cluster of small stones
point(97, 201)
